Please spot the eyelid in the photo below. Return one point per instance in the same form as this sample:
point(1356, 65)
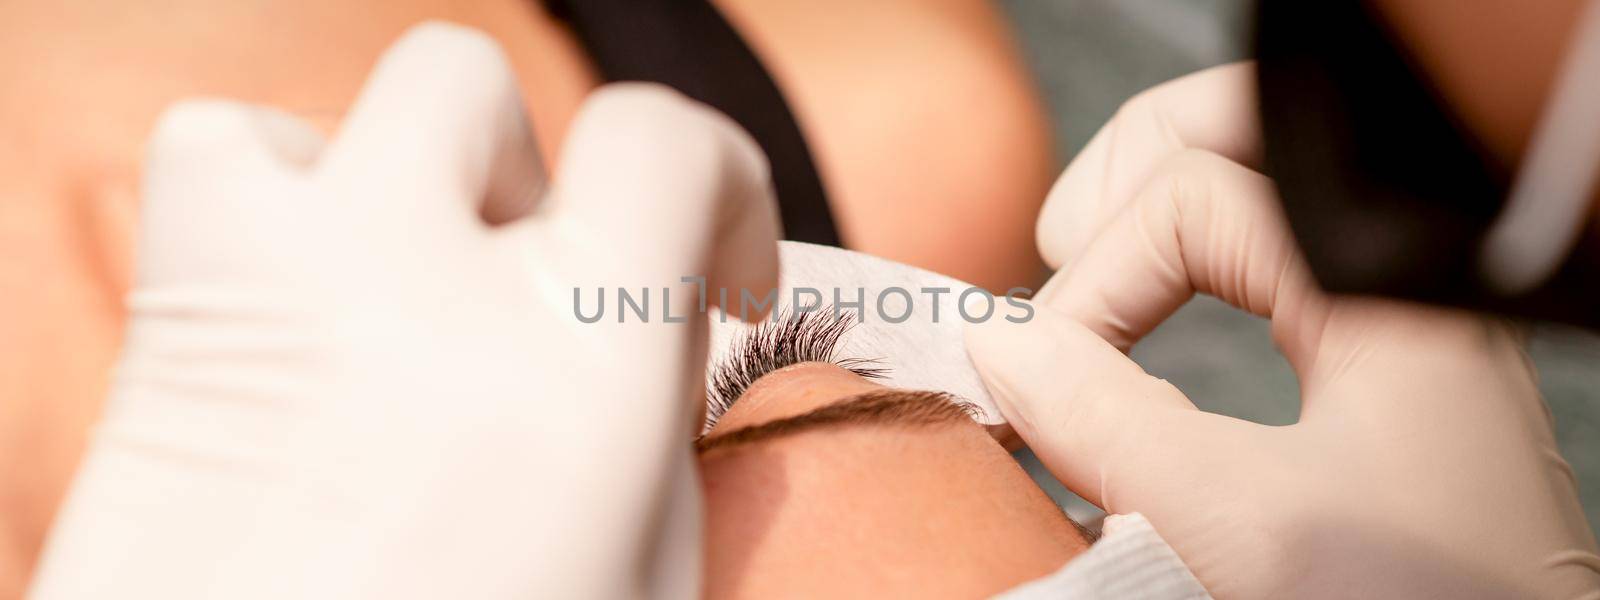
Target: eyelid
point(788, 339)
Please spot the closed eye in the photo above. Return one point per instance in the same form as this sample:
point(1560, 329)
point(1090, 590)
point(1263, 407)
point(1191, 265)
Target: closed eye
point(789, 339)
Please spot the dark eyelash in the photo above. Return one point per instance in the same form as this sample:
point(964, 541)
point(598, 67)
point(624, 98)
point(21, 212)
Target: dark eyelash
point(790, 339)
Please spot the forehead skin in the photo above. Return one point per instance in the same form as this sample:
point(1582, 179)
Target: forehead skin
point(928, 510)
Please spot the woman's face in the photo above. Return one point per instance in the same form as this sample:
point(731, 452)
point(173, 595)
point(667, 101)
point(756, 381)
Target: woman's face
point(819, 483)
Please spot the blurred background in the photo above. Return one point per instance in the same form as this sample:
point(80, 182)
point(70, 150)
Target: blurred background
point(1089, 56)
point(909, 104)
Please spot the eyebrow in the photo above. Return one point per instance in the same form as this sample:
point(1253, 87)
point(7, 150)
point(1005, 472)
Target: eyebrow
point(880, 407)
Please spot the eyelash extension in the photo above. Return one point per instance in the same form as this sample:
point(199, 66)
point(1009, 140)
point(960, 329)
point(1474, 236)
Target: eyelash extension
point(791, 339)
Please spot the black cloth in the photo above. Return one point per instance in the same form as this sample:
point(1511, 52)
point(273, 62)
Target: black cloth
point(689, 46)
point(1384, 188)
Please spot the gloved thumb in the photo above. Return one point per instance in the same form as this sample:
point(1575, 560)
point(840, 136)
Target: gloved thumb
point(441, 117)
point(659, 187)
point(211, 168)
point(1102, 426)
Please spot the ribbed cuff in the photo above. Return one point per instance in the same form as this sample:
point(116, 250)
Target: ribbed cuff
point(1130, 561)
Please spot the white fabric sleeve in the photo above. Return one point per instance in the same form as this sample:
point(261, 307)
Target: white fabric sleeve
point(1130, 561)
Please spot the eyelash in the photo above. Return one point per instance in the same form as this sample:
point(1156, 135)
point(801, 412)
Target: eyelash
point(790, 339)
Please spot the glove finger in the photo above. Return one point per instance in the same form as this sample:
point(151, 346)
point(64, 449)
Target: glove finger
point(211, 171)
point(657, 187)
point(440, 117)
point(1201, 224)
point(200, 134)
point(652, 188)
point(1211, 110)
point(1095, 419)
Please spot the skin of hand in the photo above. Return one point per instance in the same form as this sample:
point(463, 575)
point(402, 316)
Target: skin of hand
point(353, 368)
point(1423, 464)
point(938, 136)
point(928, 510)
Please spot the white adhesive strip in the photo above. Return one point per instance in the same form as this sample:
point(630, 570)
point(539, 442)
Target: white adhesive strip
point(923, 352)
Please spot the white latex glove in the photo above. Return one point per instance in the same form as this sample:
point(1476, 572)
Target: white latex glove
point(340, 381)
point(1423, 464)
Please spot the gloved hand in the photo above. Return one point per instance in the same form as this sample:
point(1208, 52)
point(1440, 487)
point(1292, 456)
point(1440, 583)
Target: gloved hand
point(1423, 464)
point(348, 376)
